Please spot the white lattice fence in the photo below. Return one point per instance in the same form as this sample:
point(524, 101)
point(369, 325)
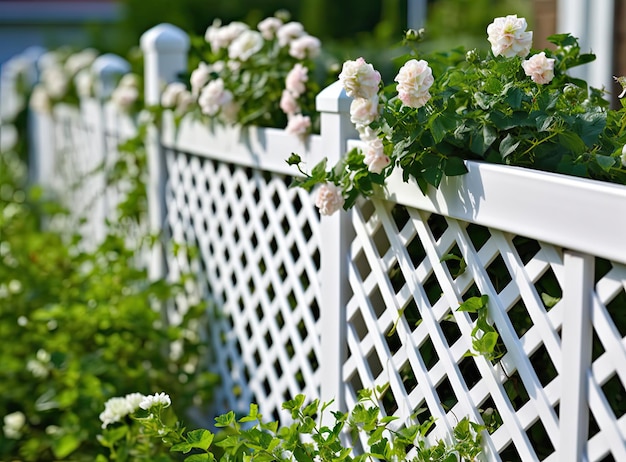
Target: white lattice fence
point(405, 332)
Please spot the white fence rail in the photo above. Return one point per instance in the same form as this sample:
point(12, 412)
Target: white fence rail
point(327, 306)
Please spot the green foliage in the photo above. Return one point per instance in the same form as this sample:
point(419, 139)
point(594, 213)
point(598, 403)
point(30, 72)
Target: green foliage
point(484, 335)
point(80, 326)
point(306, 439)
point(483, 107)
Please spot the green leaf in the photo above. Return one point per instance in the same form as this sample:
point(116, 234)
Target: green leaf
point(548, 300)
point(474, 304)
point(605, 162)
point(455, 166)
point(200, 458)
point(66, 445)
point(483, 139)
point(508, 146)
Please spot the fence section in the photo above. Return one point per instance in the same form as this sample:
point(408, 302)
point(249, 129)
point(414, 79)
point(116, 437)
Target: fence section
point(370, 298)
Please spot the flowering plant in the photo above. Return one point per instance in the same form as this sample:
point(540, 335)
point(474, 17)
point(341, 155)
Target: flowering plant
point(514, 106)
point(144, 429)
point(263, 76)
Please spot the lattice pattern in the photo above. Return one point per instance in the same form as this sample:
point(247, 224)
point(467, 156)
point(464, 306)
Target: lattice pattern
point(400, 275)
point(258, 243)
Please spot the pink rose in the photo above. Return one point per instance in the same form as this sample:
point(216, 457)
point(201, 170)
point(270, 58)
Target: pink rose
point(298, 125)
point(539, 68)
point(508, 37)
point(296, 79)
point(375, 157)
point(329, 198)
point(287, 32)
point(414, 80)
point(359, 79)
point(213, 97)
point(288, 103)
point(364, 111)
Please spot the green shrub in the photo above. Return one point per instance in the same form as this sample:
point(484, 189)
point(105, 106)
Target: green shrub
point(77, 328)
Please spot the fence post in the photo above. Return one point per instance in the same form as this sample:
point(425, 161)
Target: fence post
point(576, 345)
point(107, 70)
point(165, 50)
point(336, 129)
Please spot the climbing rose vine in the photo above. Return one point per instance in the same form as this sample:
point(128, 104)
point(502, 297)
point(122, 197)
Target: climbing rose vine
point(512, 105)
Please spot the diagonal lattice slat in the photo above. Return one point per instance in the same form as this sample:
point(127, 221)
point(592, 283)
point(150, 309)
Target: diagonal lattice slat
point(404, 329)
point(258, 258)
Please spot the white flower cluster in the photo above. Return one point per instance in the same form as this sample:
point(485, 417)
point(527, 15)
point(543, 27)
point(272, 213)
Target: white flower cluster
point(361, 81)
point(158, 399)
point(13, 425)
point(126, 94)
point(240, 44)
point(59, 69)
point(115, 409)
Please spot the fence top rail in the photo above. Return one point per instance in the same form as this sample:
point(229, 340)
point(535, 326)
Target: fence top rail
point(255, 147)
point(575, 213)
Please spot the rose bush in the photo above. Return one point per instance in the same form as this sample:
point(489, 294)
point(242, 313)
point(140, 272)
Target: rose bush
point(267, 76)
point(513, 106)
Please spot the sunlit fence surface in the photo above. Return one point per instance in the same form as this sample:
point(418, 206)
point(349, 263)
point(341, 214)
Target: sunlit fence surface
point(369, 298)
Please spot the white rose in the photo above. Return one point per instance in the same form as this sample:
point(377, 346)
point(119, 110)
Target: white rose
point(624, 156)
point(366, 133)
point(359, 79)
point(84, 83)
point(56, 81)
point(39, 100)
point(124, 96)
point(80, 60)
point(364, 111)
point(329, 198)
point(213, 97)
point(375, 157)
point(539, 68)
point(508, 37)
point(199, 77)
point(245, 45)
point(169, 97)
point(269, 26)
point(305, 46)
point(288, 32)
point(414, 80)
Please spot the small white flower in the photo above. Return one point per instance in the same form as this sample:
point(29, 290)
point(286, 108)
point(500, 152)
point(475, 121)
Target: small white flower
point(288, 32)
point(84, 83)
point(124, 96)
point(56, 81)
point(13, 424)
point(221, 37)
point(80, 60)
point(269, 26)
point(213, 97)
point(171, 93)
point(199, 77)
point(245, 45)
point(623, 157)
point(305, 46)
point(158, 399)
point(39, 100)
